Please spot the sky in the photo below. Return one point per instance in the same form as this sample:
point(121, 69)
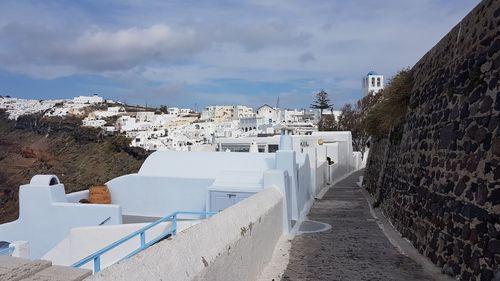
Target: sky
point(196, 53)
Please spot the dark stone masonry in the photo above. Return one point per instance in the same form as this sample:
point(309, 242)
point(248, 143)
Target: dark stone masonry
point(437, 177)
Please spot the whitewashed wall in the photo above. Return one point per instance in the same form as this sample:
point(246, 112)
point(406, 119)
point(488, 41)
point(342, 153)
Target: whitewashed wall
point(158, 196)
point(84, 241)
point(304, 194)
point(203, 165)
point(235, 244)
point(45, 217)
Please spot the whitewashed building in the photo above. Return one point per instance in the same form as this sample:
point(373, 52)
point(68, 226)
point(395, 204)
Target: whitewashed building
point(88, 99)
point(217, 113)
point(241, 111)
point(269, 114)
point(93, 122)
point(372, 83)
point(56, 227)
point(145, 116)
point(251, 123)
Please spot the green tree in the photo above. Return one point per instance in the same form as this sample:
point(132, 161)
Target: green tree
point(321, 102)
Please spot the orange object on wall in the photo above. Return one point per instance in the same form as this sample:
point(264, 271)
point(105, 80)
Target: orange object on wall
point(99, 194)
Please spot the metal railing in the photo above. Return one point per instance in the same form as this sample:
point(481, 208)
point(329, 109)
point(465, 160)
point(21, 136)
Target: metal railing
point(96, 257)
point(7, 251)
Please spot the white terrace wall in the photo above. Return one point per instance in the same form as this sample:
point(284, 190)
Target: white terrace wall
point(203, 164)
point(45, 217)
point(159, 196)
point(337, 146)
point(344, 141)
point(235, 244)
point(304, 192)
point(83, 241)
point(178, 181)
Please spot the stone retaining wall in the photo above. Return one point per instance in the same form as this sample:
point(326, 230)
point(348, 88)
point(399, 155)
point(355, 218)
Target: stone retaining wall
point(437, 177)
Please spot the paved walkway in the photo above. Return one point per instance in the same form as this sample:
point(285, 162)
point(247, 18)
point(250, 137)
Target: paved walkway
point(354, 249)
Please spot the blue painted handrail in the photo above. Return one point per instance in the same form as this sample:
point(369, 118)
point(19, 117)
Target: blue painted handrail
point(7, 251)
point(96, 257)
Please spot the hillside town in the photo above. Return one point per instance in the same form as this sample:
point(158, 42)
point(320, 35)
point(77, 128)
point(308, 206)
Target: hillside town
point(179, 129)
point(147, 141)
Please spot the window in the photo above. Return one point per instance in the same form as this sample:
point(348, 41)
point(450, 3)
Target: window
point(378, 82)
point(270, 111)
point(373, 82)
point(270, 120)
point(272, 148)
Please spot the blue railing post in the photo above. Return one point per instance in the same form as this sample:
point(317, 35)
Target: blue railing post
point(174, 224)
point(97, 264)
point(143, 240)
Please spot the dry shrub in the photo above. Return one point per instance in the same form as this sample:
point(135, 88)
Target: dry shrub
point(392, 107)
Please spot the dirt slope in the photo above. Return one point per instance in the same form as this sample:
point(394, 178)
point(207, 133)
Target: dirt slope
point(79, 157)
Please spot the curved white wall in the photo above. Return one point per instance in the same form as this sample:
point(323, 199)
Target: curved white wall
point(203, 164)
point(158, 196)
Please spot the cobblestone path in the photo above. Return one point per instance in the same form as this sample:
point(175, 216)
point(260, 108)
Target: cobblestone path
point(355, 248)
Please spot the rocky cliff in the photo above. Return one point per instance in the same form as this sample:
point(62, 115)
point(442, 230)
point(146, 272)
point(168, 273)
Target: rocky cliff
point(79, 156)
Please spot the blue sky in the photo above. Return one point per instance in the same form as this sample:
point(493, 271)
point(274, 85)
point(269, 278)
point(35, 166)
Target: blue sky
point(182, 53)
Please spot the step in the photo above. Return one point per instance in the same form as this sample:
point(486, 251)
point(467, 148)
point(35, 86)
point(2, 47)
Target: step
point(17, 269)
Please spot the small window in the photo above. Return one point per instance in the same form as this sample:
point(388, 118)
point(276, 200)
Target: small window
point(378, 82)
point(272, 148)
point(270, 111)
point(53, 181)
point(373, 82)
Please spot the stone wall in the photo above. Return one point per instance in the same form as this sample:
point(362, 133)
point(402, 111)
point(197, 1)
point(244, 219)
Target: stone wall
point(437, 177)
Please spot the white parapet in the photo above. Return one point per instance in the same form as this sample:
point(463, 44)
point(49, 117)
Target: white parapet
point(235, 244)
point(46, 216)
point(84, 241)
point(21, 249)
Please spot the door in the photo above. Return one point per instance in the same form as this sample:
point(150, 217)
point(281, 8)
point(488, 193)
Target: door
point(220, 200)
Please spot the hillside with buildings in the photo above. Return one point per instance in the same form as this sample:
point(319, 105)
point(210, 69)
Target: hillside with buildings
point(89, 140)
point(356, 174)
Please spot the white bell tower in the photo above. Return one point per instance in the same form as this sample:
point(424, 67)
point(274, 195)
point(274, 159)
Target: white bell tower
point(372, 83)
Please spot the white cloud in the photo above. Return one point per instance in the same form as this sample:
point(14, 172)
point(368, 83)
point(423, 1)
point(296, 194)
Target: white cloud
point(140, 43)
point(123, 49)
